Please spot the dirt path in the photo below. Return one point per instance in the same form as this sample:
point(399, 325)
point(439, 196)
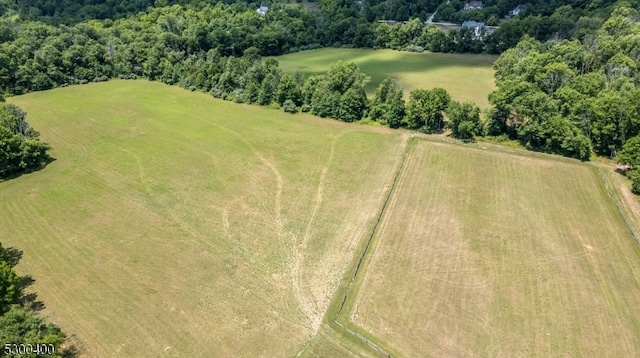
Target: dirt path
point(308, 304)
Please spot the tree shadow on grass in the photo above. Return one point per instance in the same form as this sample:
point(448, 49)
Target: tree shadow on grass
point(10, 255)
point(14, 175)
point(73, 347)
point(30, 300)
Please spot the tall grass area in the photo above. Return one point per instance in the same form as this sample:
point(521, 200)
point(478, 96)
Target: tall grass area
point(466, 77)
point(175, 224)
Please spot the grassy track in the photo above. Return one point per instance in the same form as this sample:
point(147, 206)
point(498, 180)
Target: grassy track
point(465, 77)
point(173, 224)
point(485, 253)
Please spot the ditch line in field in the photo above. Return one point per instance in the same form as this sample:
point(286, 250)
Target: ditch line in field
point(343, 293)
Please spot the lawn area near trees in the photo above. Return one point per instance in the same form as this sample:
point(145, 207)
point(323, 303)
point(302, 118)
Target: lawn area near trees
point(466, 77)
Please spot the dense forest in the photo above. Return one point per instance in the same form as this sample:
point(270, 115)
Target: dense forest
point(347, 23)
point(177, 43)
point(569, 97)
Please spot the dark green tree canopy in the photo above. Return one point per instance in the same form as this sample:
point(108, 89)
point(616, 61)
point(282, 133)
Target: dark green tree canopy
point(425, 107)
point(20, 149)
point(339, 93)
point(388, 106)
point(630, 153)
point(571, 97)
point(464, 120)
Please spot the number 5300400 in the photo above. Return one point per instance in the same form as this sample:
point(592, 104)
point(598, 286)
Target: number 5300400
point(25, 349)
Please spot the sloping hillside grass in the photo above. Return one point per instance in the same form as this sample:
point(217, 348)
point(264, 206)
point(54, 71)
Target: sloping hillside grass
point(174, 224)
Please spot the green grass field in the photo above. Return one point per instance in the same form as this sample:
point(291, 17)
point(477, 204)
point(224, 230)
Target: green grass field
point(487, 253)
point(174, 224)
point(466, 77)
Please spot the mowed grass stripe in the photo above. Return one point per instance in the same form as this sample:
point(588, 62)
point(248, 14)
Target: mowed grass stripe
point(154, 233)
point(488, 253)
point(466, 77)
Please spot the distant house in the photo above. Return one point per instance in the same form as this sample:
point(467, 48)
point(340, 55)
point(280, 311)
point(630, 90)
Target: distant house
point(477, 27)
point(473, 5)
point(517, 10)
point(262, 10)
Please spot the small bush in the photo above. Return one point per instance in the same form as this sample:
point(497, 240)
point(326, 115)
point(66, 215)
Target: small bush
point(310, 46)
point(413, 48)
point(305, 108)
point(369, 122)
point(289, 107)
point(217, 93)
point(635, 182)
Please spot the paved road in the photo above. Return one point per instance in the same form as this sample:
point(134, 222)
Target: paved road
point(430, 19)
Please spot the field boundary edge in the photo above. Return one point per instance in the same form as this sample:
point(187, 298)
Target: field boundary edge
point(343, 295)
point(617, 203)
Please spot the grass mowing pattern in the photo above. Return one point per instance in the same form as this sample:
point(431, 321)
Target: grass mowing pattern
point(466, 77)
point(174, 224)
point(487, 253)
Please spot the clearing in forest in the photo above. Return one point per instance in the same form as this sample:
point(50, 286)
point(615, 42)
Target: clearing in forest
point(175, 224)
point(466, 77)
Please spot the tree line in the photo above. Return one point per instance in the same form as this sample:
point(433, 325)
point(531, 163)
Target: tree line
point(571, 97)
point(233, 26)
point(565, 96)
point(166, 44)
point(177, 43)
point(340, 94)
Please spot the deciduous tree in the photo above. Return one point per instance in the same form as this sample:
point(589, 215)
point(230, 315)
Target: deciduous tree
point(464, 120)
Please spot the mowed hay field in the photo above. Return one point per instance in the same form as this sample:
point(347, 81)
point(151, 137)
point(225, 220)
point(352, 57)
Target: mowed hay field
point(466, 77)
point(486, 253)
point(174, 224)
